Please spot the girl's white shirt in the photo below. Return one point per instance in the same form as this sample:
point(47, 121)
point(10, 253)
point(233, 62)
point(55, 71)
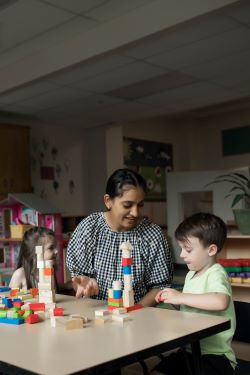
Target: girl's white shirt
point(18, 279)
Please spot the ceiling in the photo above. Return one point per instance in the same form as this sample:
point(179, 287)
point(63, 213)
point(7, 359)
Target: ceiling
point(198, 66)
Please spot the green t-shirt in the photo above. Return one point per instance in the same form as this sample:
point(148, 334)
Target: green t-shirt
point(214, 279)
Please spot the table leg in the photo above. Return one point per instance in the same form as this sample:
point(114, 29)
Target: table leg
point(196, 353)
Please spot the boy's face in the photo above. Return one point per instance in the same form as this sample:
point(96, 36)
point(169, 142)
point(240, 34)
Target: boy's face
point(195, 255)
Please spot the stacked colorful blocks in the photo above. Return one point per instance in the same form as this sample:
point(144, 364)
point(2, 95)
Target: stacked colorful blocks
point(238, 270)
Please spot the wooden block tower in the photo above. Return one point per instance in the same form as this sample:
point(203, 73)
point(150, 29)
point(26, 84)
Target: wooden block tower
point(128, 293)
point(46, 284)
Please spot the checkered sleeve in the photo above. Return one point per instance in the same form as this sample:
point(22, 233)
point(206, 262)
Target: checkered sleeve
point(159, 270)
point(80, 255)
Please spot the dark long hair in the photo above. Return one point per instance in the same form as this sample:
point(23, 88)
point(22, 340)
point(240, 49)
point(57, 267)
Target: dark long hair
point(121, 178)
point(27, 254)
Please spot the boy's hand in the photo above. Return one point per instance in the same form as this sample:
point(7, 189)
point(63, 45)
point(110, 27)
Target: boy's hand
point(169, 295)
point(85, 286)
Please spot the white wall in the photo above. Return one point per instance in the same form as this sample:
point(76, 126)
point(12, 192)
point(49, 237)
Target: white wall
point(81, 155)
point(180, 182)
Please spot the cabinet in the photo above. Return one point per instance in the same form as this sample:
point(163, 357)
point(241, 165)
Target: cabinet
point(238, 246)
point(9, 249)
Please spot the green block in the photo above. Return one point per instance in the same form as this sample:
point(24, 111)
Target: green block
point(3, 313)
point(27, 313)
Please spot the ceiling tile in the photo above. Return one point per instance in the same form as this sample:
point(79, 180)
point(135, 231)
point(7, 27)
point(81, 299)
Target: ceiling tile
point(239, 11)
point(76, 6)
point(180, 35)
point(89, 69)
point(26, 92)
point(62, 96)
point(153, 85)
point(204, 50)
point(115, 8)
point(189, 96)
point(229, 65)
point(119, 77)
point(16, 27)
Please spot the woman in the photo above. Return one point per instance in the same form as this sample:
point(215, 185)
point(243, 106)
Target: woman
point(94, 257)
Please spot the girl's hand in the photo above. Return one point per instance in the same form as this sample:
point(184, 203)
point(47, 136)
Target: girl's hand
point(158, 296)
point(85, 286)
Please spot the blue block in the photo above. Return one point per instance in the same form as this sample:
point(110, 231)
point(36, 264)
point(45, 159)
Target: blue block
point(7, 302)
point(4, 289)
point(16, 300)
point(117, 294)
point(12, 320)
point(127, 270)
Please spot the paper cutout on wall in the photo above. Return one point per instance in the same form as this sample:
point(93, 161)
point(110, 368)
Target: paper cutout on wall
point(47, 173)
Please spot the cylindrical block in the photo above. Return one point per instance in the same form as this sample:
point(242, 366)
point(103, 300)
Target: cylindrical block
point(117, 285)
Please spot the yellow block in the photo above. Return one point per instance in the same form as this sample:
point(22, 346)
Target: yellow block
point(17, 231)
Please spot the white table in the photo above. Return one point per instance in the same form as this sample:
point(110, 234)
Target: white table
point(40, 349)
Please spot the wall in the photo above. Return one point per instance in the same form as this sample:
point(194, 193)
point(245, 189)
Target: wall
point(94, 153)
point(206, 136)
point(80, 158)
point(180, 182)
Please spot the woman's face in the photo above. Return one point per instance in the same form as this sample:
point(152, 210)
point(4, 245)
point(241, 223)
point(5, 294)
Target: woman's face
point(125, 211)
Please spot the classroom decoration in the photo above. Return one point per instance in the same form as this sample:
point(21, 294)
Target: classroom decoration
point(152, 160)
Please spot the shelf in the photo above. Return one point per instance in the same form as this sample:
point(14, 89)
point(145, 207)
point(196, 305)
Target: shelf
point(241, 285)
point(238, 236)
point(3, 239)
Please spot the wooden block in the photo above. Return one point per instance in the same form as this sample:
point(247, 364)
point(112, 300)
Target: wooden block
point(102, 312)
point(32, 319)
point(128, 298)
point(102, 319)
point(121, 318)
point(39, 250)
point(85, 319)
point(110, 293)
point(48, 271)
point(135, 307)
point(120, 311)
point(75, 323)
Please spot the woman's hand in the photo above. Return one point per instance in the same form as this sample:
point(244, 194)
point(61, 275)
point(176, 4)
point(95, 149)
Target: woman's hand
point(85, 286)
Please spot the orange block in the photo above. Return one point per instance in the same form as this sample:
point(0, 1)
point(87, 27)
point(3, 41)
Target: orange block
point(48, 271)
point(13, 292)
point(118, 300)
point(34, 292)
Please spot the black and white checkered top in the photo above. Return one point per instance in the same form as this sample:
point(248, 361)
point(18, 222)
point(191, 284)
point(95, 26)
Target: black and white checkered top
point(94, 250)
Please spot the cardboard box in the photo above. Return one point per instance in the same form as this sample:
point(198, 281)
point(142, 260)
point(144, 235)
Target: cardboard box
point(17, 231)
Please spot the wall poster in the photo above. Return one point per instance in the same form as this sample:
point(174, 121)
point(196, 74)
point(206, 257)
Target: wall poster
point(152, 160)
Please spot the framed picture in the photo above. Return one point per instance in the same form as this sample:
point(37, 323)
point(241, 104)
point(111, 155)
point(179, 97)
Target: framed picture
point(152, 160)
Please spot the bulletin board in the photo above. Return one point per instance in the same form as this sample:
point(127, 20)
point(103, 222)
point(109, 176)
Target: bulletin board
point(236, 141)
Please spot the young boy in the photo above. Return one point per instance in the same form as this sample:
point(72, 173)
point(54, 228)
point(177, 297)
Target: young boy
point(206, 290)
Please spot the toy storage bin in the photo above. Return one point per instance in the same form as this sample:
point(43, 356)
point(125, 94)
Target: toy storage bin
point(17, 231)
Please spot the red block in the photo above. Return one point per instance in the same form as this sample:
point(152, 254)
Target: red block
point(135, 307)
point(32, 318)
point(37, 306)
point(58, 311)
point(127, 261)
